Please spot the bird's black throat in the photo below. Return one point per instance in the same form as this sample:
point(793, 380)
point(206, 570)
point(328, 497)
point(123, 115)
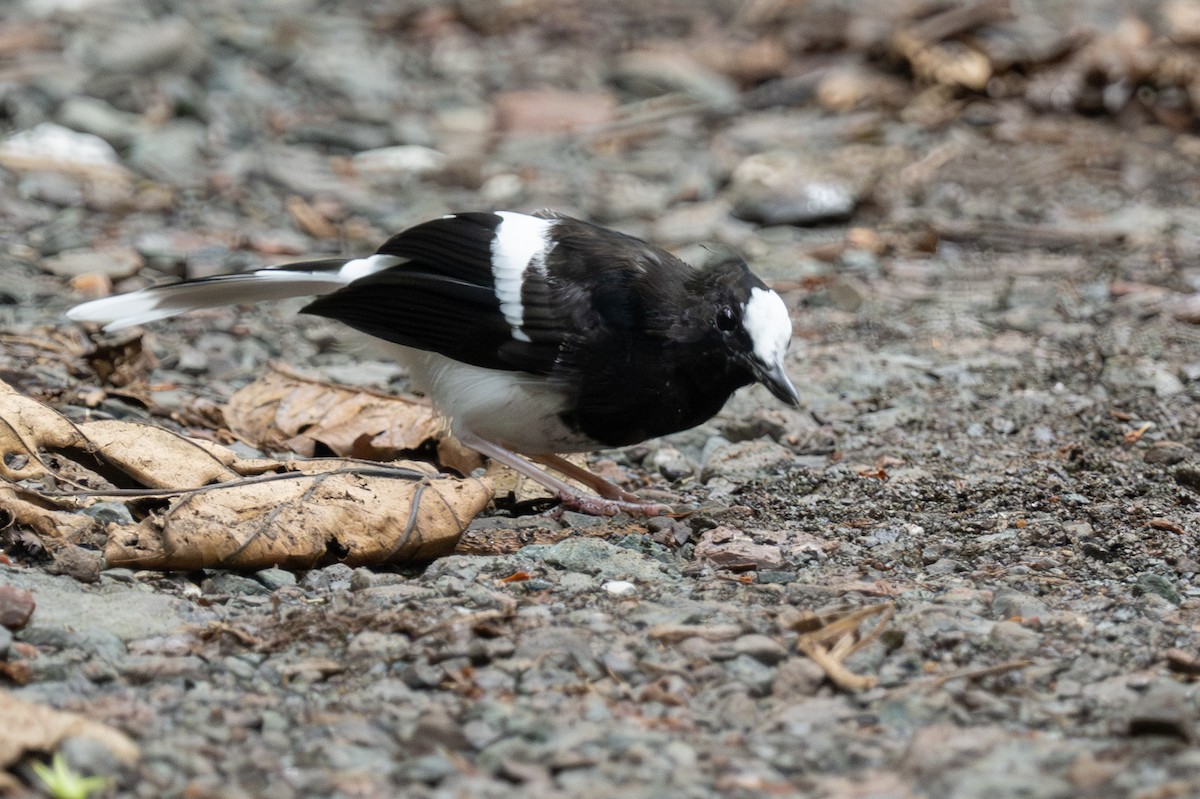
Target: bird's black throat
point(664, 391)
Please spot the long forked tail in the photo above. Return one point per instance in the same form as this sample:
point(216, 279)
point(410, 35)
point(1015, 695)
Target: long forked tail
point(276, 283)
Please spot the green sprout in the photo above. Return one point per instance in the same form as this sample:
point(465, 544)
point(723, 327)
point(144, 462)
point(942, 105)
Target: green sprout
point(63, 783)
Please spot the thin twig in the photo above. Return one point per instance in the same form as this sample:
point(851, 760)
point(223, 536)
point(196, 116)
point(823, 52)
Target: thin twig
point(837, 640)
point(398, 472)
point(985, 671)
point(841, 676)
point(491, 614)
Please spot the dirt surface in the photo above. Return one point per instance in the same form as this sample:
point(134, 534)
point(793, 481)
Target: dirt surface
point(965, 567)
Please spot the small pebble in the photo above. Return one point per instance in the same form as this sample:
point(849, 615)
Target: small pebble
point(79, 562)
point(620, 588)
point(16, 607)
point(275, 578)
point(760, 647)
point(232, 584)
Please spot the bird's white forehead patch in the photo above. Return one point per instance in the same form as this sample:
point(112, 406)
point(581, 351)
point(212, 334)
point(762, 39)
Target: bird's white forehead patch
point(521, 242)
point(766, 319)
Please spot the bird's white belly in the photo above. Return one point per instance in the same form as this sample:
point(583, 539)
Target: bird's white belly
point(517, 411)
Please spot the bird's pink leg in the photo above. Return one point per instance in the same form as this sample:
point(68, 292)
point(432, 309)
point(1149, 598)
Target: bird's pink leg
point(605, 488)
point(615, 500)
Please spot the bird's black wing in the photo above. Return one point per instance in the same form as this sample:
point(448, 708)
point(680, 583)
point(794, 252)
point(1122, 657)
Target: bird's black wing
point(443, 298)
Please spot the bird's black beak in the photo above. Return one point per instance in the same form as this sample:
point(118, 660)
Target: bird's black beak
point(776, 381)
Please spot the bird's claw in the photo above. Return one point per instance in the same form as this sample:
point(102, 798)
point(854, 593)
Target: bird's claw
point(598, 506)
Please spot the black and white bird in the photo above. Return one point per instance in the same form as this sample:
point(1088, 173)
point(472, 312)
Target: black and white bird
point(535, 334)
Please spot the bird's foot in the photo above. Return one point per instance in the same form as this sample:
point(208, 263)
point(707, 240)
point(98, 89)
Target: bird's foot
point(601, 506)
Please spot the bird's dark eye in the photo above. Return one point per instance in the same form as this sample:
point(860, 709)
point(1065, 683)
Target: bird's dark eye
point(725, 320)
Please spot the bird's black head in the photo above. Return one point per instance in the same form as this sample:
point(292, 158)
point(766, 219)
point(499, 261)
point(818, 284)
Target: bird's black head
point(749, 320)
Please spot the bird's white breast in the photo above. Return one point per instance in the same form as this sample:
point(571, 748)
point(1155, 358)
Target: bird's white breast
point(517, 411)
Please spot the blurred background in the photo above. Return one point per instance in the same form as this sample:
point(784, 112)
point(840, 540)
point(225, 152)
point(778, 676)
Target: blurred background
point(188, 138)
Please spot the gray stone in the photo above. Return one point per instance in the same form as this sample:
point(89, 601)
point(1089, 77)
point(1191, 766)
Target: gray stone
point(374, 646)
point(797, 676)
point(55, 145)
point(192, 361)
point(238, 666)
point(64, 604)
point(436, 729)
point(230, 583)
point(785, 188)
point(745, 461)
point(1013, 768)
point(945, 566)
point(597, 557)
point(345, 756)
point(1167, 453)
point(571, 520)
point(116, 263)
point(119, 575)
point(695, 222)
point(668, 531)
point(1167, 708)
point(650, 73)
point(559, 645)
point(728, 548)
point(172, 154)
point(392, 594)
point(760, 647)
point(421, 675)
point(157, 668)
point(1008, 603)
point(402, 160)
point(171, 43)
point(1151, 583)
point(336, 577)
point(1013, 639)
point(430, 769)
point(93, 115)
point(54, 188)
point(78, 562)
point(89, 757)
point(753, 673)
point(670, 463)
point(275, 578)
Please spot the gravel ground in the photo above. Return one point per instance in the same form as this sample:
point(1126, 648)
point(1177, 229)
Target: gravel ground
point(995, 299)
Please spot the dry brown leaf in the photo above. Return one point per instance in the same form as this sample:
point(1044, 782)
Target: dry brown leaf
point(283, 410)
point(453, 454)
point(30, 727)
point(349, 516)
point(26, 426)
point(43, 517)
point(220, 510)
point(156, 457)
point(122, 361)
point(151, 456)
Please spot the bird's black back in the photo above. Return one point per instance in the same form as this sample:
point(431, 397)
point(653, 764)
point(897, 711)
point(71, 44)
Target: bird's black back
point(624, 328)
